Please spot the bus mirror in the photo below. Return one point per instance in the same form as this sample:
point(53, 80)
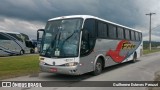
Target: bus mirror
point(40, 32)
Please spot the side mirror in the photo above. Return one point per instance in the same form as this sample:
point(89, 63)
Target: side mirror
point(38, 34)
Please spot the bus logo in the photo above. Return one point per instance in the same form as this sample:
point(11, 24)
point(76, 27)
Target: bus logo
point(115, 54)
point(128, 45)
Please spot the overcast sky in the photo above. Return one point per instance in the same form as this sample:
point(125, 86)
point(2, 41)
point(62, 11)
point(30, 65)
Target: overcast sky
point(27, 16)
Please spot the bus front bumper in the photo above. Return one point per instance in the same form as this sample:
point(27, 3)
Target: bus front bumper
point(71, 70)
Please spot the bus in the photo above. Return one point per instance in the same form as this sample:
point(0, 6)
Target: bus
point(9, 45)
point(79, 44)
point(23, 39)
point(15, 43)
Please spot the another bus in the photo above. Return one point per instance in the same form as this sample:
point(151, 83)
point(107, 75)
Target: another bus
point(79, 44)
point(9, 45)
point(14, 43)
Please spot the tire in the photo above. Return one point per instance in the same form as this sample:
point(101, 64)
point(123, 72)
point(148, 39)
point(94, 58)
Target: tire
point(98, 67)
point(31, 51)
point(21, 52)
point(134, 58)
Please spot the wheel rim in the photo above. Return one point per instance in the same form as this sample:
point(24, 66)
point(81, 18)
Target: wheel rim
point(98, 67)
point(134, 59)
point(21, 52)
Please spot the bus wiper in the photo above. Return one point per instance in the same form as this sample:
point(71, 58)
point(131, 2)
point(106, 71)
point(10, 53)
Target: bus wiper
point(53, 41)
point(69, 36)
point(59, 38)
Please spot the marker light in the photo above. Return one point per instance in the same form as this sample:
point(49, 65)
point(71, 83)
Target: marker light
point(71, 64)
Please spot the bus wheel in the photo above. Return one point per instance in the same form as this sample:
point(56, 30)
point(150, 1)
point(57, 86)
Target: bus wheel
point(98, 67)
point(21, 52)
point(134, 57)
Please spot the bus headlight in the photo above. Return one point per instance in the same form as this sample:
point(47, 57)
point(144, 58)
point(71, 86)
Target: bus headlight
point(71, 64)
point(41, 59)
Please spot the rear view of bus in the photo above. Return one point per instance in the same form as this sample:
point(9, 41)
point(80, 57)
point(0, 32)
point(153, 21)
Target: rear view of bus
point(79, 44)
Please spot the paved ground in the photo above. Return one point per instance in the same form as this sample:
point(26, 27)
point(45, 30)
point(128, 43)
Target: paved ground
point(143, 70)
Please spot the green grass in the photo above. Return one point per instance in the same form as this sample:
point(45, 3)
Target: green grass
point(18, 65)
point(147, 51)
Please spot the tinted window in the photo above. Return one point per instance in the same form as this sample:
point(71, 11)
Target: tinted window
point(112, 31)
point(140, 36)
point(137, 36)
point(2, 37)
point(90, 27)
point(120, 33)
point(102, 30)
point(17, 36)
point(127, 34)
point(88, 37)
point(132, 35)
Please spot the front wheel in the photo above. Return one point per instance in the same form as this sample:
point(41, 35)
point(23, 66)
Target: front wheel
point(21, 52)
point(98, 67)
point(134, 58)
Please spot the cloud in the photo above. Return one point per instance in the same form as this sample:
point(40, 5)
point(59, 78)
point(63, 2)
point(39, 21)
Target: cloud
point(153, 38)
point(16, 25)
point(42, 10)
point(130, 13)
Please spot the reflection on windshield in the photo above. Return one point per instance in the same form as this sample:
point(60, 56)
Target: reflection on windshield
point(61, 38)
point(17, 36)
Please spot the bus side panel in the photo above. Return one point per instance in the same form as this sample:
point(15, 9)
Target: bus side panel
point(117, 51)
point(10, 46)
point(87, 63)
point(3, 53)
point(113, 51)
point(102, 46)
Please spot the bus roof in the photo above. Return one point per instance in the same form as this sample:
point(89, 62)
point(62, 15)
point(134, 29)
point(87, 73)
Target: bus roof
point(93, 17)
point(4, 31)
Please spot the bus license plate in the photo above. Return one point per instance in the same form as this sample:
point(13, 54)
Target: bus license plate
point(53, 69)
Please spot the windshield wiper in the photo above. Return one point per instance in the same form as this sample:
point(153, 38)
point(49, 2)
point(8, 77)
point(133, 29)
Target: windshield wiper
point(59, 38)
point(69, 37)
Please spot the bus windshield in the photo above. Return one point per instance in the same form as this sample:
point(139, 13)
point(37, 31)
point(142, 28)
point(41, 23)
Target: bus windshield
point(61, 38)
point(17, 36)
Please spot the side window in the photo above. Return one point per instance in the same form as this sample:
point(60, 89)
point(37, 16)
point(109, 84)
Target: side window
point(89, 25)
point(140, 36)
point(112, 31)
point(2, 37)
point(132, 35)
point(120, 33)
point(137, 36)
point(102, 30)
point(127, 34)
point(88, 37)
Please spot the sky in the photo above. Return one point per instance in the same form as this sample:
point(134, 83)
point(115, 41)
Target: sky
point(27, 16)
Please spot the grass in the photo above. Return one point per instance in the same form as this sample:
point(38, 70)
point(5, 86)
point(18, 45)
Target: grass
point(18, 66)
point(147, 51)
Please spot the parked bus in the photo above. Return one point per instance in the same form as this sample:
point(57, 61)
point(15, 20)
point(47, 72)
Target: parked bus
point(79, 44)
point(9, 45)
point(21, 44)
point(26, 44)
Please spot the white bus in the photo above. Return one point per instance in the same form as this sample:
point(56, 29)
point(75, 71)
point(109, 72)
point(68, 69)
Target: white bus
point(14, 43)
point(79, 44)
point(24, 41)
point(9, 45)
